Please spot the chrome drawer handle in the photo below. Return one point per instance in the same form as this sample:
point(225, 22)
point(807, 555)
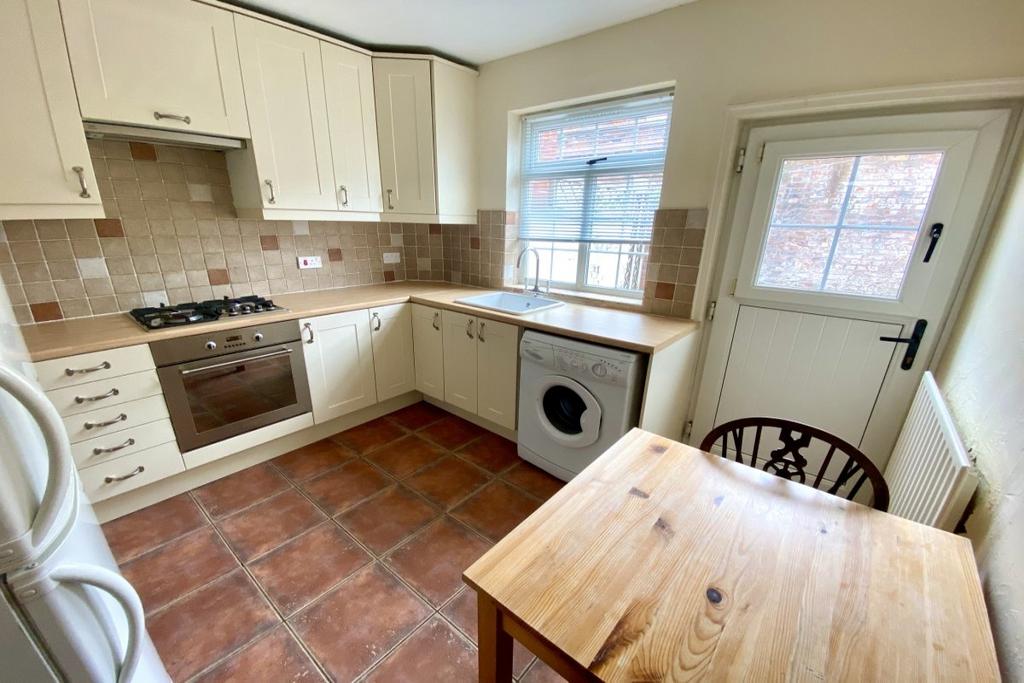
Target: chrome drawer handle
point(376, 322)
point(106, 423)
point(71, 372)
point(344, 195)
point(469, 328)
point(84, 194)
point(391, 205)
point(89, 399)
point(114, 449)
point(480, 332)
point(174, 117)
point(308, 327)
point(134, 473)
point(270, 183)
point(437, 320)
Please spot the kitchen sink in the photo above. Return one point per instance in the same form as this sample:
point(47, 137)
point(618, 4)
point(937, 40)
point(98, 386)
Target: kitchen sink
point(506, 302)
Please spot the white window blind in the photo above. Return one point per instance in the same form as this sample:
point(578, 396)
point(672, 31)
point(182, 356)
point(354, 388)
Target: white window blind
point(593, 173)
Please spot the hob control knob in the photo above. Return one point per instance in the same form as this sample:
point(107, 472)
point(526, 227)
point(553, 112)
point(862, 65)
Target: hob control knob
point(211, 345)
point(258, 337)
point(599, 369)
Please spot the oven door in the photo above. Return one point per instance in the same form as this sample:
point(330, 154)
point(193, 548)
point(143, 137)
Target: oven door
point(216, 398)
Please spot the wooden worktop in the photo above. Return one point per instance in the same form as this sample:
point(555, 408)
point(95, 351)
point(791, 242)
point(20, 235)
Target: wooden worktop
point(622, 329)
point(662, 563)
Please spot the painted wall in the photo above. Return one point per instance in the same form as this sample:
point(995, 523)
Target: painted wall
point(723, 52)
point(982, 378)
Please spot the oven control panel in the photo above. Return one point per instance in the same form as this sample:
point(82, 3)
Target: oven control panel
point(211, 344)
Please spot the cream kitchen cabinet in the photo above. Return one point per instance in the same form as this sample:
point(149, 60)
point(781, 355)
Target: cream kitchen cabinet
point(393, 356)
point(481, 363)
point(46, 170)
point(159, 63)
point(339, 363)
point(429, 350)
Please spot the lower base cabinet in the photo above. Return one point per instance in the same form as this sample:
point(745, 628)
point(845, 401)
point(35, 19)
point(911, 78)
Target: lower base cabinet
point(481, 366)
point(393, 355)
point(428, 348)
point(339, 363)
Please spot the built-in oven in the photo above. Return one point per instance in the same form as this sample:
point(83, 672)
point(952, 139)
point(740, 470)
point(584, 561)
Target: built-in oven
point(221, 384)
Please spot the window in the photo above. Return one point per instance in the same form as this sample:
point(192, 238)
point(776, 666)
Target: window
point(591, 182)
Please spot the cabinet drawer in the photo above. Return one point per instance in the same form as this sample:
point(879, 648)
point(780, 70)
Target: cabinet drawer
point(121, 444)
point(90, 367)
point(91, 396)
point(112, 419)
point(134, 471)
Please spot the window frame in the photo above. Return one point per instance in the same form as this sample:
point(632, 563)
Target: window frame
point(583, 266)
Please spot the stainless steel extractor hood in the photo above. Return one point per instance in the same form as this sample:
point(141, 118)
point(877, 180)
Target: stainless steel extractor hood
point(116, 131)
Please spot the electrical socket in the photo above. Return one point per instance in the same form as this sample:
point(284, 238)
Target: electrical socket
point(309, 262)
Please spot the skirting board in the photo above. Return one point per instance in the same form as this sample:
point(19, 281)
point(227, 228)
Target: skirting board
point(509, 434)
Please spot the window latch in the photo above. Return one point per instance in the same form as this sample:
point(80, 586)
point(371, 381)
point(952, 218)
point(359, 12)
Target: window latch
point(591, 162)
point(935, 233)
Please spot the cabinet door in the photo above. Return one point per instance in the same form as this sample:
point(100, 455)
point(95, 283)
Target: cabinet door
point(391, 334)
point(40, 128)
point(429, 350)
point(460, 349)
point(136, 59)
point(405, 127)
point(339, 363)
point(497, 371)
point(352, 120)
point(284, 91)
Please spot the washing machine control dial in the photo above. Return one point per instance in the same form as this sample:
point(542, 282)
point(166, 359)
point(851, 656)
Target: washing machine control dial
point(599, 369)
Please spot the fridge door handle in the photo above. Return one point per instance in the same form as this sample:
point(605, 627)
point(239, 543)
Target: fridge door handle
point(118, 588)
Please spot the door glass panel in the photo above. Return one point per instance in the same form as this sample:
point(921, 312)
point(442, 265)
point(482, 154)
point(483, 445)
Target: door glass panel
point(847, 225)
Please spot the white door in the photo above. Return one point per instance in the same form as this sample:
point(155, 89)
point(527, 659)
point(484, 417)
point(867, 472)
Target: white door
point(284, 92)
point(393, 359)
point(156, 63)
point(846, 235)
point(429, 350)
point(460, 349)
point(40, 128)
point(497, 371)
point(405, 126)
point(339, 363)
point(352, 120)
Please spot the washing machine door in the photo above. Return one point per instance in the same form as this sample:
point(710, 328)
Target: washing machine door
point(569, 414)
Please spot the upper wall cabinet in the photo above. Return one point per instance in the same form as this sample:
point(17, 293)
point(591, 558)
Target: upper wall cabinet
point(160, 63)
point(46, 170)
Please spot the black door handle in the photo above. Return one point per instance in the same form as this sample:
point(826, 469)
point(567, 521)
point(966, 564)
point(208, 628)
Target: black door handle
point(912, 342)
point(935, 233)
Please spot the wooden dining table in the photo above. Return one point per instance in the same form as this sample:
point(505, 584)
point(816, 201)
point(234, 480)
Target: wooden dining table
point(663, 563)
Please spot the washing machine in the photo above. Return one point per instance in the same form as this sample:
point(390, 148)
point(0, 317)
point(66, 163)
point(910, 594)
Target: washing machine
point(575, 400)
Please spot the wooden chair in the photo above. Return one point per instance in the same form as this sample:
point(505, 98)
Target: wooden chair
point(788, 462)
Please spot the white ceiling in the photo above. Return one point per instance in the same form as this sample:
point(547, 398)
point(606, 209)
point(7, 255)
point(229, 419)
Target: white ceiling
point(474, 31)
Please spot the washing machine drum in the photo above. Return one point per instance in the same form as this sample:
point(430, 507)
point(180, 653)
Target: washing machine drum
point(569, 414)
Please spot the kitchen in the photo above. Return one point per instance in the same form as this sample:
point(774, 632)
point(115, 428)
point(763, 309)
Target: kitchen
point(312, 325)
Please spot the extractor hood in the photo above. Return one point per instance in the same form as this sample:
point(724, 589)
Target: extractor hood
point(116, 131)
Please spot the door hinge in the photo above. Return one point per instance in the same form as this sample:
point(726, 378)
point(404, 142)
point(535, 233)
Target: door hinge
point(741, 158)
point(688, 431)
point(709, 314)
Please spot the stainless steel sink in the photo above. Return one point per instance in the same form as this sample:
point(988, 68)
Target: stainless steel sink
point(507, 302)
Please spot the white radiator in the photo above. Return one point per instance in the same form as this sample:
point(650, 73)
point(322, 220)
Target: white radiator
point(930, 477)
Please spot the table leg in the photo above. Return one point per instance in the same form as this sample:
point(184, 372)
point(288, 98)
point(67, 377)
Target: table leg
point(495, 643)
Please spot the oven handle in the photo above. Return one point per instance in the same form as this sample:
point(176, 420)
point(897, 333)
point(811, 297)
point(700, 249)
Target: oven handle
point(232, 363)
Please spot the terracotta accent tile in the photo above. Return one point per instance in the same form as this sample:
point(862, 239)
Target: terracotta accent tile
point(664, 290)
point(447, 481)
point(308, 566)
point(274, 657)
point(346, 486)
point(183, 565)
point(417, 415)
point(239, 490)
point(474, 242)
point(311, 460)
point(405, 456)
point(533, 480)
point(370, 435)
point(218, 276)
point(462, 612)
point(452, 432)
point(435, 229)
point(491, 452)
point(267, 525)
point(385, 610)
point(432, 562)
point(109, 227)
point(197, 631)
point(434, 651)
point(335, 255)
point(382, 522)
point(142, 151)
point(269, 243)
point(44, 312)
point(389, 276)
point(496, 510)
point(140, 531)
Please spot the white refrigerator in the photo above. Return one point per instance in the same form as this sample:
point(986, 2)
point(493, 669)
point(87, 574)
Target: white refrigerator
point(66, 613)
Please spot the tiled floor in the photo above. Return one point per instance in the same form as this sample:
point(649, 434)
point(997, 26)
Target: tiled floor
point(340, 561)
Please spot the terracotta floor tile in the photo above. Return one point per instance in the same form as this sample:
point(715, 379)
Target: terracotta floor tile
point(417, 415)
point(347, 485)
point(533, 480)
point(432, 562)
point(307, 566)
point(193, 633)
point(447, 481)
point(496, 510)
point(462, 612)
point(436, 652)
point(275, 657)
point(541, 673)
point(239, 490)
point(369, 436)
point(174, 569)
point(405, 456)
point(265, 526)
point(311, 460)
point(381, 522)
point(134, 534)
point(491, 452)
point(452, 432)
point(351, 627)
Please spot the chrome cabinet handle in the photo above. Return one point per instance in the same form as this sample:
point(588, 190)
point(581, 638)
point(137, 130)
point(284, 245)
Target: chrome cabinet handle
point(187, 120)
point(469, 328)
point(391, 204)
point(270, 183)
point(71, 372)
point(114, 449)
point(89, 399)
point(480, 332)
point(134, 473)
point(309, 328)
point(235, 363)
point(106, 423)
point(344, 195)
point(376, 322)
point(84, 194)
point(437, 320)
